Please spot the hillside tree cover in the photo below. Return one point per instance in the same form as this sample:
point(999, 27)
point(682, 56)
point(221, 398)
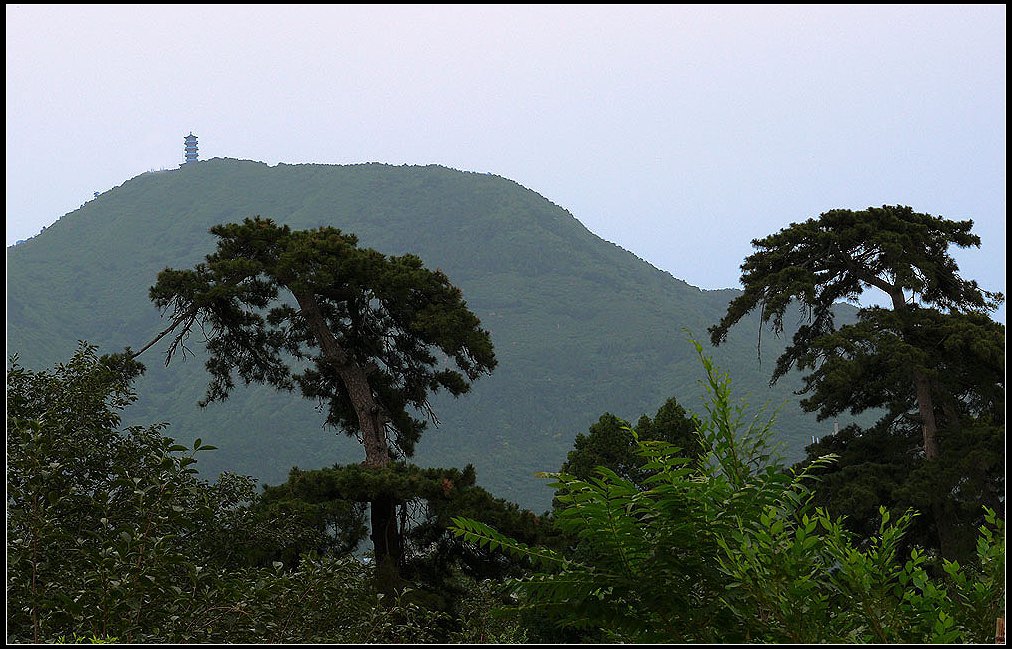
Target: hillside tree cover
point(552, 293)
point(934, 360)
point(369, 336)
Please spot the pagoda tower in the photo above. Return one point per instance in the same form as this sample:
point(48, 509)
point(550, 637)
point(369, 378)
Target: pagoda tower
point(189, 148)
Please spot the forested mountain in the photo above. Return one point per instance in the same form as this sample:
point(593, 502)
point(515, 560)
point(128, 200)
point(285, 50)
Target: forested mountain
point(580, 326)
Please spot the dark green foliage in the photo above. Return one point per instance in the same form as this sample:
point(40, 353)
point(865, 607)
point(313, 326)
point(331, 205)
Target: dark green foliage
point(435, 562)
point(872, 465)
point(883, 466)
point(102, 525)
point(324, 600)
point(671, 424)
point(811, 266)
point(110, 534)
point(612, 443)
point(388, 317)
point(87, 504)
point(730, 549)
point(609, 442)
point(369, 337)
point(931, 366)
point(868, 365)
point(577, 322)
point(114, 538)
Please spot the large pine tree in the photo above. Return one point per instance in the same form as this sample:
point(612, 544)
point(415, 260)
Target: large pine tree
point(368, 335)
point(933, 360)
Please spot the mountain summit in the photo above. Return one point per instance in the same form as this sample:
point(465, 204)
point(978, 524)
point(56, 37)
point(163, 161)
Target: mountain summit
point(580, 326)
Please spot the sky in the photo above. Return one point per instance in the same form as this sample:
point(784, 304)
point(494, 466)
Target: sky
point(678, 132)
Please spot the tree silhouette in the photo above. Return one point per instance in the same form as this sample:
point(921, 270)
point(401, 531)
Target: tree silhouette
point(370, 336)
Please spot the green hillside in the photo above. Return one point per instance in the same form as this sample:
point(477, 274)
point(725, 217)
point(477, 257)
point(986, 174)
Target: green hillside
point(580, 325)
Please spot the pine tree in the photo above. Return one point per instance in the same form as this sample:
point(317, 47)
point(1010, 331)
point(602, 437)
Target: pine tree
point(370, 336)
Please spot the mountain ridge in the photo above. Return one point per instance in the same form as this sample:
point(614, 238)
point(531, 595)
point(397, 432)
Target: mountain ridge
point(581, 325)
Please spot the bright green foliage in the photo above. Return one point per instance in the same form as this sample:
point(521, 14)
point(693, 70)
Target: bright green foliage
point(644, 567)
point(79, 639)
point(804, 578)
point(729, 548)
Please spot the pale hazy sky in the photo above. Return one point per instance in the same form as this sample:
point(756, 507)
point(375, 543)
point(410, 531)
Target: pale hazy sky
point(679, 132)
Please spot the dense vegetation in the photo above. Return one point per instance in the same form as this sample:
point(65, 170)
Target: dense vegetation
point(686, 527)
point(576, 321)
point(111, 533)
point(728, 548)
point(112, 536)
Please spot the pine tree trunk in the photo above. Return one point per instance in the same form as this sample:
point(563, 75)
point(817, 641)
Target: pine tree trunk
point(926, 409)
point(922, 389)
point(929, 437)
point(386, 538)
point(356, 382)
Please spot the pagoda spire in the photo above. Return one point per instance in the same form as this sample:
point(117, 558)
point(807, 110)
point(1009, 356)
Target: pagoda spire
point(190, 148)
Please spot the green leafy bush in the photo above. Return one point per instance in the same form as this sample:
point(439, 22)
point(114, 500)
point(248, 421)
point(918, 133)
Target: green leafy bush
point(729, 548)
point(111, 534)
